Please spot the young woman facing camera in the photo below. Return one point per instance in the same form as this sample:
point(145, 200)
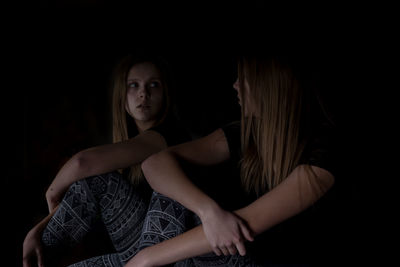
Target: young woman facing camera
point(106, 182)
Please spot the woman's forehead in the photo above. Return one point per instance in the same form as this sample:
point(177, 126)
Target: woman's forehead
point(144, 71)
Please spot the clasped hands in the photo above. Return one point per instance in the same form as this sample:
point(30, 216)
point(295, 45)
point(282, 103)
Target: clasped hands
point(225, 231)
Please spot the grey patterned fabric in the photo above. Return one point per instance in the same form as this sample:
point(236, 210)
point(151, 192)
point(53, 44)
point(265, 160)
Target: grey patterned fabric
point(132, 219)
point(108, 197)
point(165, 219)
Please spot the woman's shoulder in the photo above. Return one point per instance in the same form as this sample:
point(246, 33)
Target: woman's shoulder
point(322, 147)
point(232, 134)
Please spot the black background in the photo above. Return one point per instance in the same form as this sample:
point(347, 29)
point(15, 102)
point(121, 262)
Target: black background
point(62, 99)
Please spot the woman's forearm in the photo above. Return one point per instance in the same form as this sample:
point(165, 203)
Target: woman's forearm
point(189, 244)
point(88, 162)
point(43, 223)
point(272, 208)
point(165, 176)
point(105, 158)
point(295, 194)
point(67, 175)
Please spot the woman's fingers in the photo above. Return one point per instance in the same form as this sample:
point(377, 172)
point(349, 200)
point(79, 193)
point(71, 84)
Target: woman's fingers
point(224, 251)
point(227, 233)
point(217, 251)
point(39, 257)
point(246, 232)
point(241, 248)
point(232, 250)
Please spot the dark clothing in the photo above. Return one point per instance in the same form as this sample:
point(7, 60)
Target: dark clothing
point(132, 222)
point(122, 208)
point(109, 198)
point(172, 131)
point(303, 237)
point(320, 150)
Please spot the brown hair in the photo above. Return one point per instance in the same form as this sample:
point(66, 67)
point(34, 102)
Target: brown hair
point(276, 128)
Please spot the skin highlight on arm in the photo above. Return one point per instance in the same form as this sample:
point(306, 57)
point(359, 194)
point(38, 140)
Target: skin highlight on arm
point(163, 173)
point(102, 159)
point(165, 176)
point(260, 216)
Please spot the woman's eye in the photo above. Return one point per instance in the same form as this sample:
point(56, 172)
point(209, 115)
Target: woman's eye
point(133, 85)
point(154, 84)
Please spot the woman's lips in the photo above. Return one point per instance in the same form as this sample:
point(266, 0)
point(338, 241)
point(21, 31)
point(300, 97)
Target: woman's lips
point(143, 107)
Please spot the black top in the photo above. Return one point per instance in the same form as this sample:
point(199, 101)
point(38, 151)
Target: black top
point(320, 151)
point(303, 236)
point(172, 132)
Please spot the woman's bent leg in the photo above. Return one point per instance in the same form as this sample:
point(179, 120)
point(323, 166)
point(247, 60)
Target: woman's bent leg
point(165, 219)
point(108, 197)
point(123, 211)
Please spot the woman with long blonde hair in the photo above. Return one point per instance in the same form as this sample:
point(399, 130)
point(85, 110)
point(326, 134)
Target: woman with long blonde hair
point(105, 182)
point(284, 150)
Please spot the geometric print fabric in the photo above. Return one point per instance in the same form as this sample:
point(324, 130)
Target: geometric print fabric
point(133, 221)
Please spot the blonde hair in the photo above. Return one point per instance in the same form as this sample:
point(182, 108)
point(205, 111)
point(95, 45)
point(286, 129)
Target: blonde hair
point(275, 129)
point(124, 126)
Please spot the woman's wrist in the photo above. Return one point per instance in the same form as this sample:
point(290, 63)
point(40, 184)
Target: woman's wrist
point(143, 258)
point(39, 227)
point(207, 209)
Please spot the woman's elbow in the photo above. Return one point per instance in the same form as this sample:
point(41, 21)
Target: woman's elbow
point(150, 164)
point(324, 180)
point(81, 163)
point(147, 165)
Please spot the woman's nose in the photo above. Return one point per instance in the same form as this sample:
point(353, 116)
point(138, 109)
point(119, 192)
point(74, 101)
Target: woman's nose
point(236, 84)
point(143, 92)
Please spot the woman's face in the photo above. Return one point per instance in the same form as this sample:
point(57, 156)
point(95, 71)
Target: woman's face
point(144, 99)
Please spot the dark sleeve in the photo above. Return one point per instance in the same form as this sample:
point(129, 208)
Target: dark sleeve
point(321, 150)
point(232, 135)
point(172, 132)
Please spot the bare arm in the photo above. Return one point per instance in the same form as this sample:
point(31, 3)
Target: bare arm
point(189, 244)
point(102, 159)
point(295, 194)
point(272, 208)
point(32, 246)
point(164, 174)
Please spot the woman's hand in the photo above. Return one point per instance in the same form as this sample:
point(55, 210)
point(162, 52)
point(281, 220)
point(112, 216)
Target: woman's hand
point(32, 248)
point(225, 231)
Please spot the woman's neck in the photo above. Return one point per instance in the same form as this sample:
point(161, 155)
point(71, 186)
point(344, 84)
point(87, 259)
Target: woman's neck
point(144, 125)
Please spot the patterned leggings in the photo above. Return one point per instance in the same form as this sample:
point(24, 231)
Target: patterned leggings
point(133, 222)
